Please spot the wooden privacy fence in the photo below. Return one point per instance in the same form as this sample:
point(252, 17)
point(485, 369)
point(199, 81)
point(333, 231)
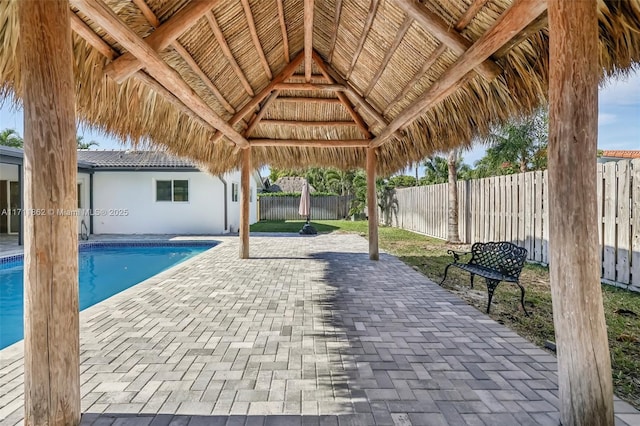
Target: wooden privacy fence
point(325, 207)
point(515, 208)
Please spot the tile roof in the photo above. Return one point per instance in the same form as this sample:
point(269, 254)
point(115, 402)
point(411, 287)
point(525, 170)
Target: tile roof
point(134, 160)
point(621, 153)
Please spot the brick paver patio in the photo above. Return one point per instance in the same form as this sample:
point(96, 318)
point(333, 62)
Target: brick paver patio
point(308, 331)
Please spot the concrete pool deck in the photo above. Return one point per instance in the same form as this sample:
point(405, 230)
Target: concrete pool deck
point(307, 331)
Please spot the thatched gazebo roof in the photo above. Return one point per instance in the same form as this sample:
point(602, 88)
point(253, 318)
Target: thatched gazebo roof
point(365, 66)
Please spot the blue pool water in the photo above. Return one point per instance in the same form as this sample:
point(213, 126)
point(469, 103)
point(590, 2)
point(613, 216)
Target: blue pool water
point(104, 271)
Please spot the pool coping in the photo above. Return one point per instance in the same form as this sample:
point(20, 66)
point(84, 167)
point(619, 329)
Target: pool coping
point(10, 351)
point(133, 242)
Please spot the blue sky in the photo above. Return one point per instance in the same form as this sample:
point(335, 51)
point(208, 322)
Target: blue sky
point(618, 120)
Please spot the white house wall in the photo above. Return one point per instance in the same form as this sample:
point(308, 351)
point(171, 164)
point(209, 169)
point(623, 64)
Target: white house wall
point(135, 192)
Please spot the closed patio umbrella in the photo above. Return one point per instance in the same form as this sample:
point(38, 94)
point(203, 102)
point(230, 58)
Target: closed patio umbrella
point(305, 209)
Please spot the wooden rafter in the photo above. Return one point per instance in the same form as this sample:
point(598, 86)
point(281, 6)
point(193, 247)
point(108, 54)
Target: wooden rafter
point(537, 25)
point(103, 16)
point(471, 13)
point(283, 28)
point(435, 25)
point(460, 25)
point(84, 31)
point(127, 64)
point(511, 22)
point(226, 51)
point(255, 101)
point(295, 123)
point(254, 37)
point(186, 56)
point(310, 100)
point(357, 118)
point(147, 12)
point(334, 35)
point(406, 24)
point(263, 109)
point(304, 143)
point(362, 103)
point(373, 7)
point(308, 38)
point(309, 87)
point(316, 78)
point(423, 70)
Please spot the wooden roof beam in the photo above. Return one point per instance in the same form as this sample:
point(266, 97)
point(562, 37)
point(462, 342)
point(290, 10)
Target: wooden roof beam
point(373, 7)
point(308, 38)
point(406, 24)
point(435, 25)
point(509, 24)
point(423, 70)
point(103, 16)
point(226, 51)
point(357, 118)
point(334, 35)
point(310, 87)
point(471, 13)
point(460, 25)
point(84, 31)
point(283, 28)
point(325, 68)
point(147, 13)
point(254, 37)
point(263, 109)
point(186, 56)
point(304, 143)
point(290, 99)
point(295, 123)
point(255, 101)
point(127, 64)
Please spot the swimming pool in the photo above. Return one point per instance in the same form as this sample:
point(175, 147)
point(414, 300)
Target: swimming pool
point(105, 269)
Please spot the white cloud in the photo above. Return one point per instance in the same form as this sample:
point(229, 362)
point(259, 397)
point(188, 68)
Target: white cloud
point(621, 92)
point(605, 118)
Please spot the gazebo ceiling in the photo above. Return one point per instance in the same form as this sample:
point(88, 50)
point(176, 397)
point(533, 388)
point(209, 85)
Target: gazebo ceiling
point(312, 82)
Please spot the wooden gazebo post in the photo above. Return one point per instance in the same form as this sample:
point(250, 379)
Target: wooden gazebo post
point(245, 189)
point(584, 367)
point(51, 330)
point(372, 204)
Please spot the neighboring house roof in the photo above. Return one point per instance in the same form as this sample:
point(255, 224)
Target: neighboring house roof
point(11, 155)
point(134, 160)
point(621, 153)
point(290, 184)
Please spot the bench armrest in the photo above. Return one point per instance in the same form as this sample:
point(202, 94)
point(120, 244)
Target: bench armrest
point(456, 254)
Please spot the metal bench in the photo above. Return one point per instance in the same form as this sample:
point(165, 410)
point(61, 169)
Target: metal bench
point(496, 262)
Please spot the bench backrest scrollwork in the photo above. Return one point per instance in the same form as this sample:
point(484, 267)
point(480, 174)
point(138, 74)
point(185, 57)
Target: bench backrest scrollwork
point(504, 257)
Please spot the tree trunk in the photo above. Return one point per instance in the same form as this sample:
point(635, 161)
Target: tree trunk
point(372, 204)
point(452, 162)
point(245, 193)
point(584, 367)
point(51, 321)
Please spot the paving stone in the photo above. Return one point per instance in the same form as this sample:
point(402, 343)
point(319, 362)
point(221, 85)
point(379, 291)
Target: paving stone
point(307, 331)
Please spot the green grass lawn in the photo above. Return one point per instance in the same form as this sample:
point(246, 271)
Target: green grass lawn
point(428, 255)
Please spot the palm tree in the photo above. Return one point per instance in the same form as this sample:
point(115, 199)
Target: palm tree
point(10, 137)
point(85, 145)
point(452, 166)
point(518, 145)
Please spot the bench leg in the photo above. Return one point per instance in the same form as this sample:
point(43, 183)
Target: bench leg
point(522, 298)
point(445, 274)
point(472, 275)
point(491, 287)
